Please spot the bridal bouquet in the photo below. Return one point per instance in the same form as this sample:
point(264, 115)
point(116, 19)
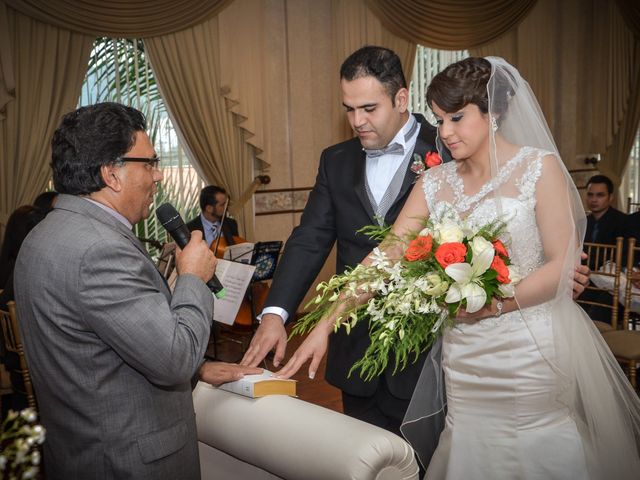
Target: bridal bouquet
point(445, 266)
point(20, 437)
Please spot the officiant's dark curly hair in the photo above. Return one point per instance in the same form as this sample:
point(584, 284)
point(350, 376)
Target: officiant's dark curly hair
point(89, 138)
point(465, 82)
point(381, 63)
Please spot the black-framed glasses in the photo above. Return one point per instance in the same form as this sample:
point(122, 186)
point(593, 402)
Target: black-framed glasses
point(153, 162)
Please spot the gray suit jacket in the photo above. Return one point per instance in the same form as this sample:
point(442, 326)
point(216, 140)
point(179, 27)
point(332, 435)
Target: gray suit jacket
point(110, 350)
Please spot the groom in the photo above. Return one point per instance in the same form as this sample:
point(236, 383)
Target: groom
point(359, 181)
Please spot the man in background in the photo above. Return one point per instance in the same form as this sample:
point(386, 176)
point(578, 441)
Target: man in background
point(111, 351)
point(604, 223)
point(213, 200)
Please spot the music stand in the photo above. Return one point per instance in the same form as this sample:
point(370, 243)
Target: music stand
point(265, 258)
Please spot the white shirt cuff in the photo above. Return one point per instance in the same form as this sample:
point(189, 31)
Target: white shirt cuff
point(281, 312)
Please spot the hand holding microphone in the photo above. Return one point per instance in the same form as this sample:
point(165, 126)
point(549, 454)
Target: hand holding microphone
point(196, 257)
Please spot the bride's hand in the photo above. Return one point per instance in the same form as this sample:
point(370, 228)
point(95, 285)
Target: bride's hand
point(314, 347)
point(487, 311)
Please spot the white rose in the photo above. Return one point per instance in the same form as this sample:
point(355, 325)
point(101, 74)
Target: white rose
point(425, 232)
point(437, 286)
point(479, 245)
point(449, 232)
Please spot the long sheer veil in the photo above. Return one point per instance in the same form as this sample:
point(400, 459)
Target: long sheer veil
point(589, 381)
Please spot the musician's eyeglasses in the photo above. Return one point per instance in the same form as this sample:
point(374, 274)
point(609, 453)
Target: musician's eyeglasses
point(153, 162)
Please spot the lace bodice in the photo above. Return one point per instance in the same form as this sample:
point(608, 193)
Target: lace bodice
point(509, 195)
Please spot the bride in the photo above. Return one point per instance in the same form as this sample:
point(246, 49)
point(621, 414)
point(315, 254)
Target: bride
point(532, 391)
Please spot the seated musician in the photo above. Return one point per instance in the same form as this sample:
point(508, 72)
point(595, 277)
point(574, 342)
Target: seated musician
point(213, 201)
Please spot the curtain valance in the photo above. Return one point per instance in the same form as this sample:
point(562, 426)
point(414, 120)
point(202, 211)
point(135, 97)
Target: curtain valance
point(120, 18)
point(450, 24)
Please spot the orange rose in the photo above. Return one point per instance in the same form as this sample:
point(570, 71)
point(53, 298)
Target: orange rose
point(419, 248)
point(432, 159)
point(501, 269)
point(500, 249)
point(452, 252)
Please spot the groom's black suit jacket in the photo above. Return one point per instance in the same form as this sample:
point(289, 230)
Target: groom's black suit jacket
point(338, 205)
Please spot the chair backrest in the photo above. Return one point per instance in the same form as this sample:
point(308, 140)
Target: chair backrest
point(632, 206)
point(605, 260)
point(13, 343)
point(631, 294)
point(166, 260)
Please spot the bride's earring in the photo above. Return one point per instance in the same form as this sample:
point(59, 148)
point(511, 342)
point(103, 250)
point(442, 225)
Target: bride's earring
point(494, 124)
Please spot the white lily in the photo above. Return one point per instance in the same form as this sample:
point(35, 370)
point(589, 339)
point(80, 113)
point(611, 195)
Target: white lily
point(467, 285)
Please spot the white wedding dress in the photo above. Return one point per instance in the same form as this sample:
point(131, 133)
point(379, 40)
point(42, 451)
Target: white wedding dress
point(503, 419)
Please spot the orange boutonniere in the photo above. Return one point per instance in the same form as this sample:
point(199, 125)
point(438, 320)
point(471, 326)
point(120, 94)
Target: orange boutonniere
point(431, 159)
point(421, 165)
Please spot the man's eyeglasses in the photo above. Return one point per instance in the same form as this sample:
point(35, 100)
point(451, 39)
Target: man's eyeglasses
point(153, 162)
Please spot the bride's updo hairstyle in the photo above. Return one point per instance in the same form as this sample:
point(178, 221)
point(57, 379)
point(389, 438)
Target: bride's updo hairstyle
point(465, 82)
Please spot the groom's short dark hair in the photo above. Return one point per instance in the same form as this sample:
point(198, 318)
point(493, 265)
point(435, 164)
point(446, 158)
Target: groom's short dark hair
point(381, 63)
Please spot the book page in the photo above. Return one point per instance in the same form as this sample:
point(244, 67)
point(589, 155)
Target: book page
point(260, 385)
point(235, 278)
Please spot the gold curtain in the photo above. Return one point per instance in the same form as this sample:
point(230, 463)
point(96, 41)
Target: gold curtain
point(49, 66)
point(187, 67)
point(630, 10)
point(242, 48)
point(7, 78)
point(450, 25)
point(117, 18)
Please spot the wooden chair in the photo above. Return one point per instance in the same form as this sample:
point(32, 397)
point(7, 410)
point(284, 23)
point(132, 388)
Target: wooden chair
point(632, 206)
point(13, 343)
point(601, 255)
point(625, 343)
point(166, 260)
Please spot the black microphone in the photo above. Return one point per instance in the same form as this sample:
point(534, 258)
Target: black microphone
point(174, 225)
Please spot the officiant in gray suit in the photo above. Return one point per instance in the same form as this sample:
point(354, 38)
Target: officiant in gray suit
point(111, 350)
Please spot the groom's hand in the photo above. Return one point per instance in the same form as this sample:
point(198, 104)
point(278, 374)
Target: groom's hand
point(270, 334)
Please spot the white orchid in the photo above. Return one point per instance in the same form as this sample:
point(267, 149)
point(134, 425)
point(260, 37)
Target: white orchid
point(379, 259)
point(467, 281)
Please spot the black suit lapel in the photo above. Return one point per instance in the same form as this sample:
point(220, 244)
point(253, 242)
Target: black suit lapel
point(359, 185)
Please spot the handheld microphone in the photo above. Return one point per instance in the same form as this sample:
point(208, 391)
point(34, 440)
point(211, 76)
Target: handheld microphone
point(174, 225)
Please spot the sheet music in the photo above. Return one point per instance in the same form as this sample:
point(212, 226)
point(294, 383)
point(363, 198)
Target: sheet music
point(235, 278)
